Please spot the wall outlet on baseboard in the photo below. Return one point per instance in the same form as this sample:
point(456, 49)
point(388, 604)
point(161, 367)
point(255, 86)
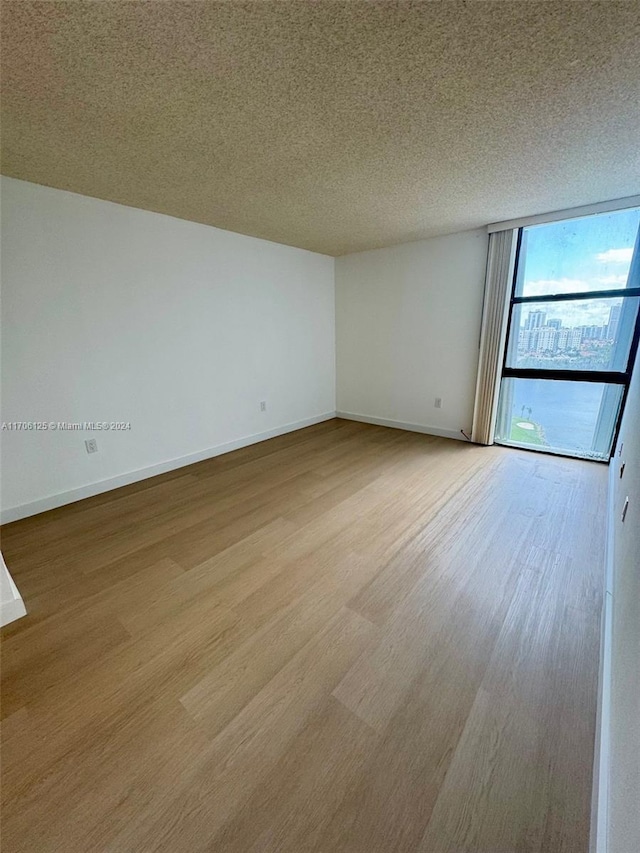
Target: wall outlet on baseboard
point(92, 445)
point(438, 403)
point(263, 406)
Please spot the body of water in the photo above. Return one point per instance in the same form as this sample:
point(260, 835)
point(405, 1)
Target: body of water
point(567, 411)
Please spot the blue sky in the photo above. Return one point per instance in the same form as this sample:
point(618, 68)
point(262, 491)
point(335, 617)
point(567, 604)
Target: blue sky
point(591, 253)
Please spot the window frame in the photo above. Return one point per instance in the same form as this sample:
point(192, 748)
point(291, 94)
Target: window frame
point(609, 377)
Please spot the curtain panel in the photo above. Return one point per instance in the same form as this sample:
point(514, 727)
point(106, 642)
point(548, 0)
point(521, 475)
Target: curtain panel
point(497, 291)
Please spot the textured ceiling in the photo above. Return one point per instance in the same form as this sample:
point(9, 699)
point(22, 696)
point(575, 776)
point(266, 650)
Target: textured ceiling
point(335, 126)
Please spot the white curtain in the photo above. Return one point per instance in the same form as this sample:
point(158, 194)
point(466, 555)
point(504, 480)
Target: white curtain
point(497, 292)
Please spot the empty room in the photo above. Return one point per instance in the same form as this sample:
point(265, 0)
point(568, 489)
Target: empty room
point(320, 440)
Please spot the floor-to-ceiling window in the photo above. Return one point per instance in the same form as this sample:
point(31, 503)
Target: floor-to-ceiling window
point(572, 335)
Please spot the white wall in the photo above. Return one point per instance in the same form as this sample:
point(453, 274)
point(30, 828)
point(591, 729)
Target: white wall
point(624, 781)
point(117, 314)
point(407, 326)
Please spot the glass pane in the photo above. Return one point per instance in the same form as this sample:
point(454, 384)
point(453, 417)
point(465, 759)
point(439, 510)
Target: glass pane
point(580, 334)
point(574, 418)
point(577, 255)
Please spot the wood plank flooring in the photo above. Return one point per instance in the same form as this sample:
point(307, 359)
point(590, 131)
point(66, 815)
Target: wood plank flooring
point(349, 638)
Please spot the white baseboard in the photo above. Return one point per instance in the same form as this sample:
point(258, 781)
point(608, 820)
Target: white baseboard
point(427, 430)
point(91, 489)
point(600, 796)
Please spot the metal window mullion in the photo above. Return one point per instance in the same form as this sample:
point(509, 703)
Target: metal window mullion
point(621, 293)
point(611, 377)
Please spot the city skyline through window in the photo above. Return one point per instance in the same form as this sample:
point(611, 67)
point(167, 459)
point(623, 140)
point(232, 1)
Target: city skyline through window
point(573, 330)
point(571, 341)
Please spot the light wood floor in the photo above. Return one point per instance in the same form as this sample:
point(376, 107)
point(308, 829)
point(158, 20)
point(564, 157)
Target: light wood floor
point(349, 638)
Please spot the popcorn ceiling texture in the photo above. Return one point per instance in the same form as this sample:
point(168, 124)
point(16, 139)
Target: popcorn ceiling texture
point(334, 126)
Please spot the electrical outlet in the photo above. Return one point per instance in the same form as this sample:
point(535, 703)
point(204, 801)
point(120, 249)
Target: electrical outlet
point(92, 445)
point(438, 402)
point(263, 406)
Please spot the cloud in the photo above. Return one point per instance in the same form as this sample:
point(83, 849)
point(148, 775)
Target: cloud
point(544, 287)
point(587, 312)
point(612, 280)
point(615, 256)
point(548, 286)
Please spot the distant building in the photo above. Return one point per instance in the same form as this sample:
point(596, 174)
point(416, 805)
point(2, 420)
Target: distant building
point(568, 339)
point(524, 340)
point(614, 320)
point(538, 336)
point(593, 333)
point(535, 319)
point(545, 339)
